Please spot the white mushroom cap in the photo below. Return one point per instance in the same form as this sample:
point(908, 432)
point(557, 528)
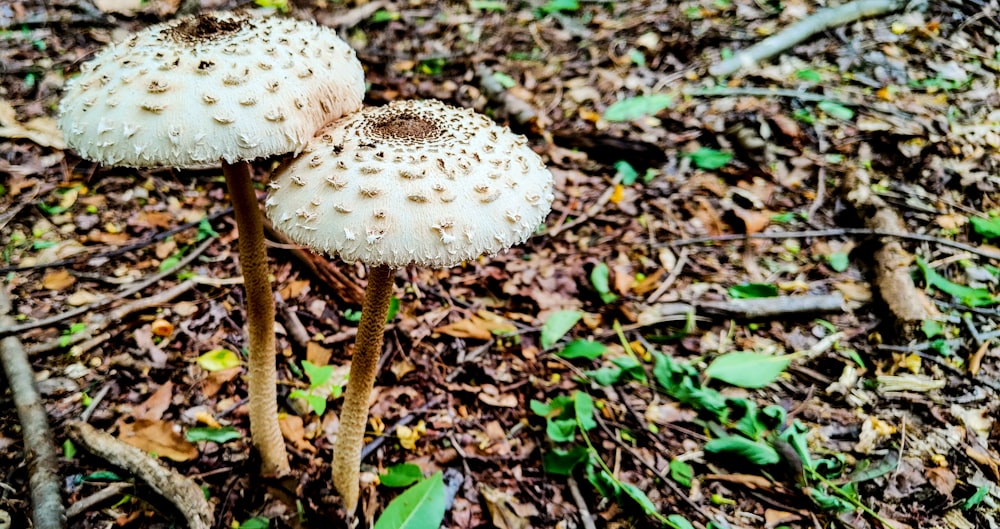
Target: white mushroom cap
point(229, 86)
point(412, 182)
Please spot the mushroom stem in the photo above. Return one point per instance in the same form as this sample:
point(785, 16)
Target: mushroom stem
point(262, 382)
point(354, 414)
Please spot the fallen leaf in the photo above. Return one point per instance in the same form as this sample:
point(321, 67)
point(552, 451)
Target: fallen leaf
point(401, 368)
point(81, 297)
point(503, 400)
point(162, 327)
point(408, 437)
point(943, 479)
point(159, 438)
point(157, 403)
point(294, 289)
point(58, 280)
point(294, 431)
point(774, 517)
point(317, 354)
point(217, 379)
point(505, 511)
point(477, 326)
point(41, 130)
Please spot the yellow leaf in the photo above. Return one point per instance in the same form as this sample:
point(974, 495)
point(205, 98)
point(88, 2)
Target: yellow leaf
point(58, 280)
point(618, 194)
point(408, 436)
point(218, 359)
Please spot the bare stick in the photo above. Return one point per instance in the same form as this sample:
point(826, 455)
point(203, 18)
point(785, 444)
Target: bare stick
point(40, 452)
point(112, 490)
point(581, 504)
point(179, 490)
point(819, 21)
point(762, 308)
point(296, 331)
point(405, 420)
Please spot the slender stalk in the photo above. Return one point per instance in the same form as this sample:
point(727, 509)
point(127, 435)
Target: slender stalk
point(262, 382)
point(354, 415)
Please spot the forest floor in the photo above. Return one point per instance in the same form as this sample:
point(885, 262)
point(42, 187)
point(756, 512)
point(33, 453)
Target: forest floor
point(764, 299)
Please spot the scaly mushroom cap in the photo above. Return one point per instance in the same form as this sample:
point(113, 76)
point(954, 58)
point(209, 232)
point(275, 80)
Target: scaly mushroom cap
point(412, 182)
point(229, 86)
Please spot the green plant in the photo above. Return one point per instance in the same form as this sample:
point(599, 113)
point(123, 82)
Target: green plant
point(421, 506)
point(322, 386)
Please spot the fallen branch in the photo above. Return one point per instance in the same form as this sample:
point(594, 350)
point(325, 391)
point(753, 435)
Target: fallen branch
point(184, 493)
point(774, 307)
point(297, 332)
point(40, 452)
point(112, 490)
point(7, 330)
point(819, 21)
point(836, 232)
point(320, 267)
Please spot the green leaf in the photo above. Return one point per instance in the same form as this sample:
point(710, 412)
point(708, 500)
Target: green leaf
point(557, 325)
point(69, 449)
point(583, 405)
point(752, 291)
point(746, 369)
point(562, 462)
point(205, 230)
point(317, 375)
point(599, 277)
point(988, 228)
point(561, 430)
point(317, 403)
point(628, 173)
point(555, 6)
point(636, 107)
point(504, 80)
point(836, 110)
point(677, 521)
point(973, 297)
point(626, 368)
point(488, 5)
point(352, 315)
point(384, 15)
point(828, 501)
point(421, 506)
point(580, 348)
point(102, 475)
point(171, 262)
point(976, 498)
point(708, 158)
point(647, 505)
point(681, 472)
point(218, 359)
point(555, 407)
point(402, 475)
point(257, 522)
point(931, 328)
point(216, 435)
point(839, 261)
point(811, 76)
point(393, 309)
point(754, 452)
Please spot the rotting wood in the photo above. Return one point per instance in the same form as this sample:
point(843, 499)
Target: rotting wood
point(40, 452)
point(319, 266)
point(184, 493)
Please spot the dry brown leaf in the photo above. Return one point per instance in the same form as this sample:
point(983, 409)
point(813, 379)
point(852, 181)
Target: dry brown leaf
point(58, 280)
point(479, 326)
point(217, 379)
point(503, 400)
point(774, 517)
point(158, 437)
point(41, 130)
point(943, 479)
point(157, 403)
point(505, 511)
point(293, 429)
point(294, 289)
point(401, 368)
point(317, 354)
point(81, 297)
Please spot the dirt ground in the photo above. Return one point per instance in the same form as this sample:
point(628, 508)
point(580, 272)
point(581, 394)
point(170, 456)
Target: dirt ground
point(861, 163)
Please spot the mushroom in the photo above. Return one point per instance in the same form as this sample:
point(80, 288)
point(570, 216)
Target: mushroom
point(218, 86)
point(412, 182)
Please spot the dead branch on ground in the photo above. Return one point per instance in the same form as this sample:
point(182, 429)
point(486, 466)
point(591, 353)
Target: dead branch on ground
point(179, 490)
point(320, 267)
point(40, 452)
point(818, 22)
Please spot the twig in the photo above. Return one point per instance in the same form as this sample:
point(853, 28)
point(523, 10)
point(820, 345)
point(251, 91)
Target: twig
point(296, 331)
point(113, 252)
point(801, 95)
point(581, 504)
point(138, 287)
point(819, 21)
point(94, 402)
point(761, 308)
point(179, 490)
point(40, 452)
point(407, 419)
point(835, 232)
point(110, 491)
point(671, 277)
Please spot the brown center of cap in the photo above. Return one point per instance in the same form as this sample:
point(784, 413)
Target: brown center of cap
point(403, 126)
point(204, 27)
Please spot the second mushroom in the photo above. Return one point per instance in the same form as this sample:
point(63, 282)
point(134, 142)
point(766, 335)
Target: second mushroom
point(409, 183)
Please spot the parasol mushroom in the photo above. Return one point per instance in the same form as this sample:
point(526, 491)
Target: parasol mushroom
point(227, 87)
point(413, 182)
